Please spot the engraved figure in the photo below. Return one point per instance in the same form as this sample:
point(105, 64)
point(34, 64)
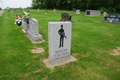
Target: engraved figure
point(62, 35)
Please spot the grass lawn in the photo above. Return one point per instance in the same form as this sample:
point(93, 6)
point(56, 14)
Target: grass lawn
point(93, 43)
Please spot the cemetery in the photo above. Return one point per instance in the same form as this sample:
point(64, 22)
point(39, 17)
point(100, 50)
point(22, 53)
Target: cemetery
point(65, 45)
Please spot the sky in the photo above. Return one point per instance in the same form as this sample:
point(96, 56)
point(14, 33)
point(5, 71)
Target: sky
point(15, 3)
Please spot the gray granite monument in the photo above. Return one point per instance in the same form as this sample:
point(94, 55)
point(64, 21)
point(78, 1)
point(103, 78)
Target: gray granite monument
point(66, 17)
point(115, 18)
point(59, 41)
point(93, 13)
point(33, 30)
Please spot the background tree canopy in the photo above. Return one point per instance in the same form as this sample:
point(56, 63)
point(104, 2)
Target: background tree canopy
point(113, 5)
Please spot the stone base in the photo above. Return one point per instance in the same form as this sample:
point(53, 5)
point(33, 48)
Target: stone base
point(78, 13)
point(51, 65)
point(112, 22)
point(33, 40)
point(35, 37)
point(24, 31)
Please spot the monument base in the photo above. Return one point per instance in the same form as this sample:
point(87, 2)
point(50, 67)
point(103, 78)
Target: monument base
point(35, 37)
point(51, 65)
point(33, 40)
point(112, 22)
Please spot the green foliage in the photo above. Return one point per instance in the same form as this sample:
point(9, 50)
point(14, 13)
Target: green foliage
point(78, 4)
point(102, 9)
point(111, 10)
point(0, 8)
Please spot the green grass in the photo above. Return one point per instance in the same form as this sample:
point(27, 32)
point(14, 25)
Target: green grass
point(91, 43)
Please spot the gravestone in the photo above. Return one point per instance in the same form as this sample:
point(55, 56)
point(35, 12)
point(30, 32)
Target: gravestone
point(46, 12)
point(59, 41)
point(93, 13)
point(37, 10)
point(77, 11)
point(114, 17)
point(33, 30)
point(66, 17)
point(56, 11)
point(11, 13)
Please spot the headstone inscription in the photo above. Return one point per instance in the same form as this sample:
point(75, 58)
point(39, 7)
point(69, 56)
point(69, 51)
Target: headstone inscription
point(59, 41)
point(93, 13)
point(114, 17)
point(77, 11)
point(33, 30)
point(66, 17)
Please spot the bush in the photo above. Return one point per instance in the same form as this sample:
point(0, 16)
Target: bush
point(0, 8)
point(103, 10)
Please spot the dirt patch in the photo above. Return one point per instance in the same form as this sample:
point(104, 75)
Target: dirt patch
point(27, 74)
point(74, 54)
point(116, 52)
point(41, 59)
point(37, 71)
point(37, 50)
point(88, 53)
point(52, 69)
point(97, 21)
point(110, 34)
point(45, 78)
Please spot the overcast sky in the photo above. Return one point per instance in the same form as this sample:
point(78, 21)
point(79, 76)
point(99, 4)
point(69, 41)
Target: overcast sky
point(15, 3)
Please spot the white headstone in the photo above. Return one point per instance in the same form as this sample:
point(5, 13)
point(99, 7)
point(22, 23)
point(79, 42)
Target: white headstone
point(59, 41)
point(77, 11)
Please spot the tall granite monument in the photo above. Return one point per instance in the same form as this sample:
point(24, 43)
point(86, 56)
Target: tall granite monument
point(59, 41)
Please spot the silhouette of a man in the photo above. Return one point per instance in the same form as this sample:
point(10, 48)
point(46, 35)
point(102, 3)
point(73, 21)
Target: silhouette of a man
point(62, 35)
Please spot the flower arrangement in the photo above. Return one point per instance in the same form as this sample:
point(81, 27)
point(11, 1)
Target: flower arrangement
point(26, 18)
point(105, 14)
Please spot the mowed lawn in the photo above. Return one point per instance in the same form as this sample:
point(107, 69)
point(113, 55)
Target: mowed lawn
point(95, 44)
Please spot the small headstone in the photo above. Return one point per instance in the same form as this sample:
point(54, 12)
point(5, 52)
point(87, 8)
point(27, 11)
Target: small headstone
point(33, 30)
point(46, 12)
point(56, 11)
point(59, 41)
point(66, 17)
point(11, 13)
point(112, 18)
point(93, 13)
point(77, 11)
point(37, 10)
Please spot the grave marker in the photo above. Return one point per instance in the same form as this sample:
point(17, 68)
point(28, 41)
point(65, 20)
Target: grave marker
point(59, 41)
point(93, 13)
point(77, 11)
point(66, 17)
point(114, 17)
point(33, 30)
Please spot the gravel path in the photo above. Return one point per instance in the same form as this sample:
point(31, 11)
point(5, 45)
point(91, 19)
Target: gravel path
point(1, 12)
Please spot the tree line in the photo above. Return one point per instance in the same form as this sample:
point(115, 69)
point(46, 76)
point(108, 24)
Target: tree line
point(113, 5)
